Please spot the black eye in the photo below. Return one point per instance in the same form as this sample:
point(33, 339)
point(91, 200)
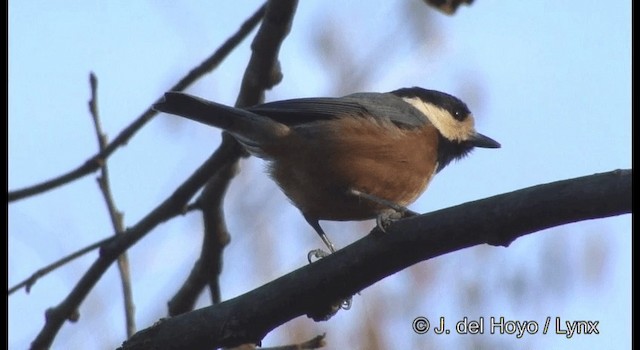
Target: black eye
point(459, 114)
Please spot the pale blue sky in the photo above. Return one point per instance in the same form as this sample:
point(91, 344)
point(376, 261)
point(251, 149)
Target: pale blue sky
point(551, 81)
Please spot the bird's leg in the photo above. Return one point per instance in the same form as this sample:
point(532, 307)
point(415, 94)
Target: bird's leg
point(319, 253)
point(395, 211)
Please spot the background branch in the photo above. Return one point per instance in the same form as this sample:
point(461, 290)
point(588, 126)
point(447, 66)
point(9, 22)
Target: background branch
point(278, 16)
point(109, 252)
point(94, 163)
point(496, 220)
point(216, 236)
point(262, 73)
point(29, 282)
point(115, 215)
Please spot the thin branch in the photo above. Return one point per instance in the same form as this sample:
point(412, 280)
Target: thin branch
point(263, 72)
point(115, 215)
point(94, 163)
point(29, 282)
point(109, 252)
point(216, 236)
point(497, 220)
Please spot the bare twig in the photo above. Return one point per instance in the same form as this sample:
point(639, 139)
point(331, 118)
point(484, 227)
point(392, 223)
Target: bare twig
point(169, 208)
point(29, 282)
point(115, 215)
point(215, 229)
point(94, 163)
point(216, 236)
point(497, 220)
point(263, 72)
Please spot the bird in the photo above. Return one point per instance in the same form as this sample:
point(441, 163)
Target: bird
point(361, 156)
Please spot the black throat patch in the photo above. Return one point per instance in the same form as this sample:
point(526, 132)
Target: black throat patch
point(451, 150)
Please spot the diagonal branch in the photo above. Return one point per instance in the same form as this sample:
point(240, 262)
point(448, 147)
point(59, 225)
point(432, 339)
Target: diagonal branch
point(94, 163)
point(29, 282)
point(496, 220)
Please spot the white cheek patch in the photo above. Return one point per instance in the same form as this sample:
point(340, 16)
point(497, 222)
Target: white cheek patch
point(448, 126)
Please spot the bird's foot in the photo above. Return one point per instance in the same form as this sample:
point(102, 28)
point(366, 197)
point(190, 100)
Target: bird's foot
point(394, 211)
point(388, 217)
point(317, 254)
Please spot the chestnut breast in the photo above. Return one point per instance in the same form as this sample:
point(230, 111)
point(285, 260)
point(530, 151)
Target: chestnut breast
point(317, 163)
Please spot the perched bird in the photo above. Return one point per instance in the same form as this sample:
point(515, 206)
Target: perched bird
point(356, 157)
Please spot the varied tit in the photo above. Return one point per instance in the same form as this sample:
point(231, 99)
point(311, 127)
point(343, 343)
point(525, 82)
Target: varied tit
point(348, 158)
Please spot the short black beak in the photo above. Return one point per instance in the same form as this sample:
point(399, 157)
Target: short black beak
point(479, 140)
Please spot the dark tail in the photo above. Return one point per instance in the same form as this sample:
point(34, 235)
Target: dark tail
point(243, 124)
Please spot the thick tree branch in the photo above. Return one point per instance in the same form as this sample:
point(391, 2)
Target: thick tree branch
point(497, 220)
point(94, 163)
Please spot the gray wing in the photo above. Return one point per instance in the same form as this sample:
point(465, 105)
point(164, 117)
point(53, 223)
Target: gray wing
point(306, 110)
